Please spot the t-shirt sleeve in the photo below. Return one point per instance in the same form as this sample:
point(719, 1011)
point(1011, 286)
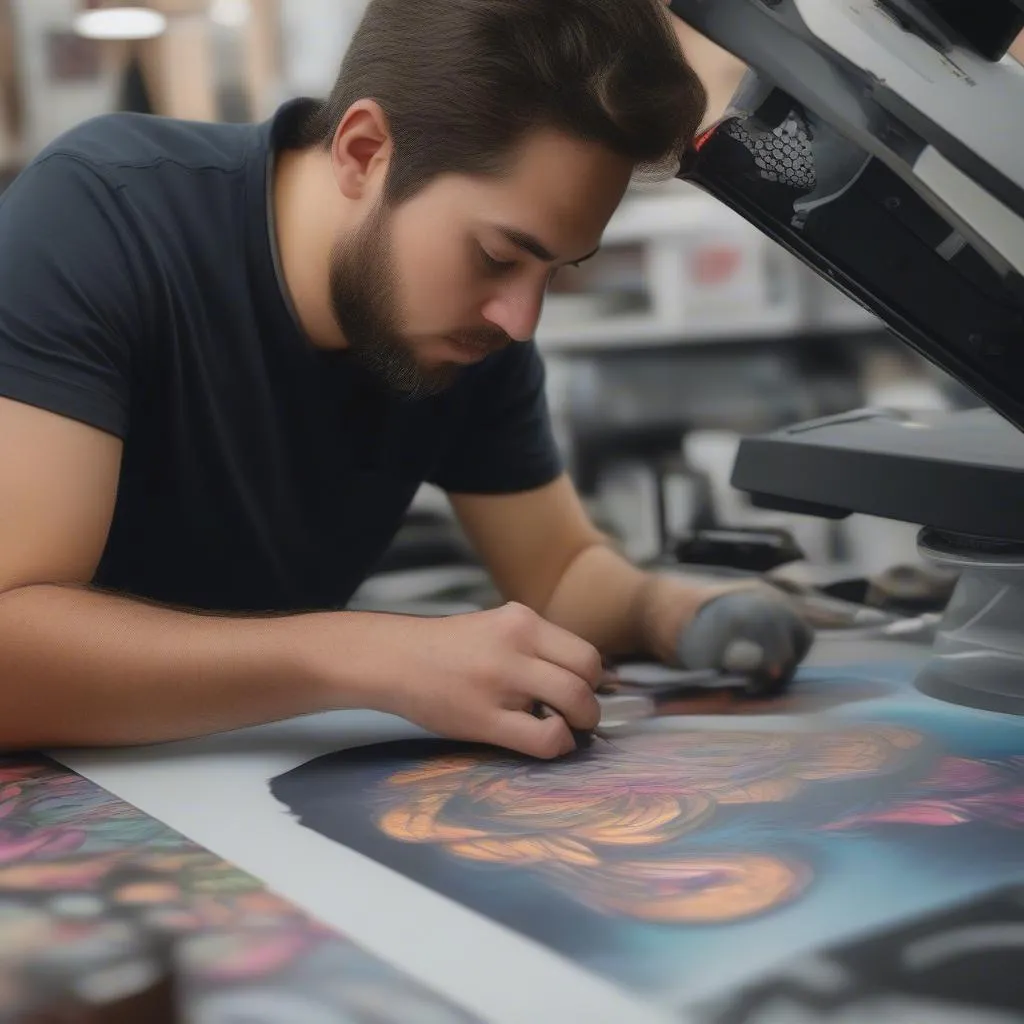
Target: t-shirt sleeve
point(504, 442)
point(70, 303)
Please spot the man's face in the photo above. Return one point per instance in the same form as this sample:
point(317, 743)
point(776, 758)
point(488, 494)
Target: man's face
point(460, 271)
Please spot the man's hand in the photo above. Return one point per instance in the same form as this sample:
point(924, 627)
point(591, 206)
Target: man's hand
point(477, 677)
point(753, 631)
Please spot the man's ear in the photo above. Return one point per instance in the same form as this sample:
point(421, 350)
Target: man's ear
point(361, 150)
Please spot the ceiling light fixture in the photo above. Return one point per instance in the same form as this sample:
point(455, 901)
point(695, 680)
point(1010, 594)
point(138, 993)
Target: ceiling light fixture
point(120, 23)
point(230, 13)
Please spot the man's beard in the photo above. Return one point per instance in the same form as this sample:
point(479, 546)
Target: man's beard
point(364, 296)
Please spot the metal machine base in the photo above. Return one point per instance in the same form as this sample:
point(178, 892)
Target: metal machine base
point(979, 647)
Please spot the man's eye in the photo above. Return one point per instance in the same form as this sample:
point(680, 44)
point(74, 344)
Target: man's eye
point(493, 265)
point(554, 273)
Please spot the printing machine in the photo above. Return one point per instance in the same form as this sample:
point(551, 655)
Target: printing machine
point(879, 141)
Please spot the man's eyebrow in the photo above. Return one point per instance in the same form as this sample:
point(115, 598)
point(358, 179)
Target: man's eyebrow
point(526, 242)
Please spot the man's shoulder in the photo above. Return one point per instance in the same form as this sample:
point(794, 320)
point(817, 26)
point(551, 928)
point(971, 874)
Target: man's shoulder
point(117, 144)
point(152, 183)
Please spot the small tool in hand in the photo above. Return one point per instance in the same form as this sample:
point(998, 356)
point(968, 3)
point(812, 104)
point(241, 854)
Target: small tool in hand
point(625, 702)
point(675, 684)
point(582, 737)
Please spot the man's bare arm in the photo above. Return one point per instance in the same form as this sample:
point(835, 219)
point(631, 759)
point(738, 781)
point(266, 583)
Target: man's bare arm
point(79, 667)
point(719, 70)
point(543, 550)
point(82, 667)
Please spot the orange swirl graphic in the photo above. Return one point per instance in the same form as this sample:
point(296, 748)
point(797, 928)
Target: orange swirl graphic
point(582, 823)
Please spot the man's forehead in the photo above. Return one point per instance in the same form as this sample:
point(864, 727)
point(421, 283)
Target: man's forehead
point(551, 163)
point(552, 220)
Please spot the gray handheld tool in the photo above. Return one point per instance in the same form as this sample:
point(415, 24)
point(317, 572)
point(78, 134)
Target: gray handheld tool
point(625, 702)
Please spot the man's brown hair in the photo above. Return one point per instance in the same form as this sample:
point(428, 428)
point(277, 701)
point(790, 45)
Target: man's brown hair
point(463, 82)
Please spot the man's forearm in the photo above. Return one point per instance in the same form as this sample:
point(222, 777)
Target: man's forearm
point(619, 608)
point(83, 668)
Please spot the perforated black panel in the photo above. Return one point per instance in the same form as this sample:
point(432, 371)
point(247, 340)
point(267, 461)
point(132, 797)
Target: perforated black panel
point(782, 154)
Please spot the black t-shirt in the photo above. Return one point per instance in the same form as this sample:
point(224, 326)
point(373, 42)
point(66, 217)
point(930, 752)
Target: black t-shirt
point(139, 293)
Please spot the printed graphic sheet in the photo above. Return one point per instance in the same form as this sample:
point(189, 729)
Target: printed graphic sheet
point(662, 868)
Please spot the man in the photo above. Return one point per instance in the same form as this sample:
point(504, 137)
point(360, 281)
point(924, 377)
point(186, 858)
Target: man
point(230, 355)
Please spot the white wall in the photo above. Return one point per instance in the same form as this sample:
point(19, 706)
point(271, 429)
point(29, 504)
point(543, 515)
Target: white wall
point(315, 35)
point(53, 108)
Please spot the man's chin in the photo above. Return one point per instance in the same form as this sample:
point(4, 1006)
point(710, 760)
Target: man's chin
point(428, 382)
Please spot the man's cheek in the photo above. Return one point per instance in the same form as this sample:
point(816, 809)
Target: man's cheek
point(434, 298)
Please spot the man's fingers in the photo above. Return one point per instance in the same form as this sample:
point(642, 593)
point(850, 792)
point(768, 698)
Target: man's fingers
point(544, 738)
point(568, 651)
point(565, 693)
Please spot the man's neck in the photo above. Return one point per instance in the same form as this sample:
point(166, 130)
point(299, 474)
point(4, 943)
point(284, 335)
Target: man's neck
point(303, 219)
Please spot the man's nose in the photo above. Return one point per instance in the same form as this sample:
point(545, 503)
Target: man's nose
point(516, 311)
